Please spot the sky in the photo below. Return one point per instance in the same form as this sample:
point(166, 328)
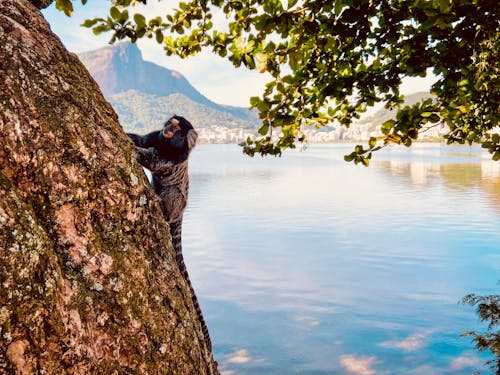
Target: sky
point(213, 76)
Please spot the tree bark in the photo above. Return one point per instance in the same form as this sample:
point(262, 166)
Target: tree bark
point(88, 279)
point(40, 4)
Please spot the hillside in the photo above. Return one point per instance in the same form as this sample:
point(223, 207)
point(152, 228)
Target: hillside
point(145, 94)
point(384, 114)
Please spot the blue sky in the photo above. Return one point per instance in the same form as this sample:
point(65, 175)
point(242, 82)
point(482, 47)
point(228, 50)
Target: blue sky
point(213, 76)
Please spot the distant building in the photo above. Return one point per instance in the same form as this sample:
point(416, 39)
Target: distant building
point(330, 133)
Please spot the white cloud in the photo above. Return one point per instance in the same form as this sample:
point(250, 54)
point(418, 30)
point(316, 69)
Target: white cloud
point(467, 359)
point(411, 343)
point(358, 365)
point(239, 356)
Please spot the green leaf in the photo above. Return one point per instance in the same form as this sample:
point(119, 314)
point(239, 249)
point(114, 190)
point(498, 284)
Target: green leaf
point(115, 13)
point(90, 23)
point(272, 6)
point(338, 7)
point(248, 61)
point(350, 157)
point(387, 126)
point(372, 142)
point(293, 62)
point(444, 6)
point(496, 156)
point(100, 28)
point(254, 100)
point(66, 6)
point(124, 16)
point(159, 36)
point(264, 129)
point(140, 20)
point(434, 118)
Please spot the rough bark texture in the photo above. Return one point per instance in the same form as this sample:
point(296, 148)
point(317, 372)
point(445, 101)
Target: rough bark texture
point(88, 279)
point(40, 4)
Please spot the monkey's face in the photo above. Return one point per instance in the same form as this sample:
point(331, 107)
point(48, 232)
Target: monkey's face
point(171, 127)
point(174, 138)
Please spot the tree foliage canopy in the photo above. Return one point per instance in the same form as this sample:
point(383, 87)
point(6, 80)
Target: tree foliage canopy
point(331, 60)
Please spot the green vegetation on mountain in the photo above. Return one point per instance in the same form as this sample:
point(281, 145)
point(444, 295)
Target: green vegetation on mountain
point(145, 112)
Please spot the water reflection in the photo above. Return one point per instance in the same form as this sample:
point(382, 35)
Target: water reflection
point(484, 174)
point(490, 182)
point(306, 264)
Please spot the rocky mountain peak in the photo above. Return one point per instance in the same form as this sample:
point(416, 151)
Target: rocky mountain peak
point(120, 69)
point(128, 53)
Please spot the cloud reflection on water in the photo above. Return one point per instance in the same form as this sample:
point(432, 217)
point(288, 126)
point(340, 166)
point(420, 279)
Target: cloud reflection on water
point(239, 356)
point(467, 360)
point(409, 344)
point(355, 365)
point(313, 259)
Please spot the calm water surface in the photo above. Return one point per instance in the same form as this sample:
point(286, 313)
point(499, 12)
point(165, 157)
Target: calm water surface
point(306, 264)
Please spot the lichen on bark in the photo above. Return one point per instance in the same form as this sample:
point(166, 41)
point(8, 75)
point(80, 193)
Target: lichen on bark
point(88, 280)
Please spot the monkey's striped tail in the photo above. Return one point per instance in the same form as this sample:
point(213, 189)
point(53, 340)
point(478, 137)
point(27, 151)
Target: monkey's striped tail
point(176, 232)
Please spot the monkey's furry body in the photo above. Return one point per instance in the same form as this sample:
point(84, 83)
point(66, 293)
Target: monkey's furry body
point(165, 153)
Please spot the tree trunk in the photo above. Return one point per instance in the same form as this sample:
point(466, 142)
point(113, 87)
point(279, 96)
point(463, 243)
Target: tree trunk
point(88, 279)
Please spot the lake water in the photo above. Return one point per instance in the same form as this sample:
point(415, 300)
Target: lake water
point(306, 264)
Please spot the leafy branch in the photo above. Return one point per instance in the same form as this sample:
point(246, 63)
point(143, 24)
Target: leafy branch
point(330, 61)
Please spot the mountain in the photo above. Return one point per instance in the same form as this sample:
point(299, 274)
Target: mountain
point(143, 112)
point(385, 114)
point(145, 94)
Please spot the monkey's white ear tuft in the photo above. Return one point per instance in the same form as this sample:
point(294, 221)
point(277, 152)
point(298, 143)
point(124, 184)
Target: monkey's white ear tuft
point(192, 136)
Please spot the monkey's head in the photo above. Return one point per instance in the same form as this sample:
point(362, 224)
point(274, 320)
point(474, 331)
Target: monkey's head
point(174, 125)
point(179, 137)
